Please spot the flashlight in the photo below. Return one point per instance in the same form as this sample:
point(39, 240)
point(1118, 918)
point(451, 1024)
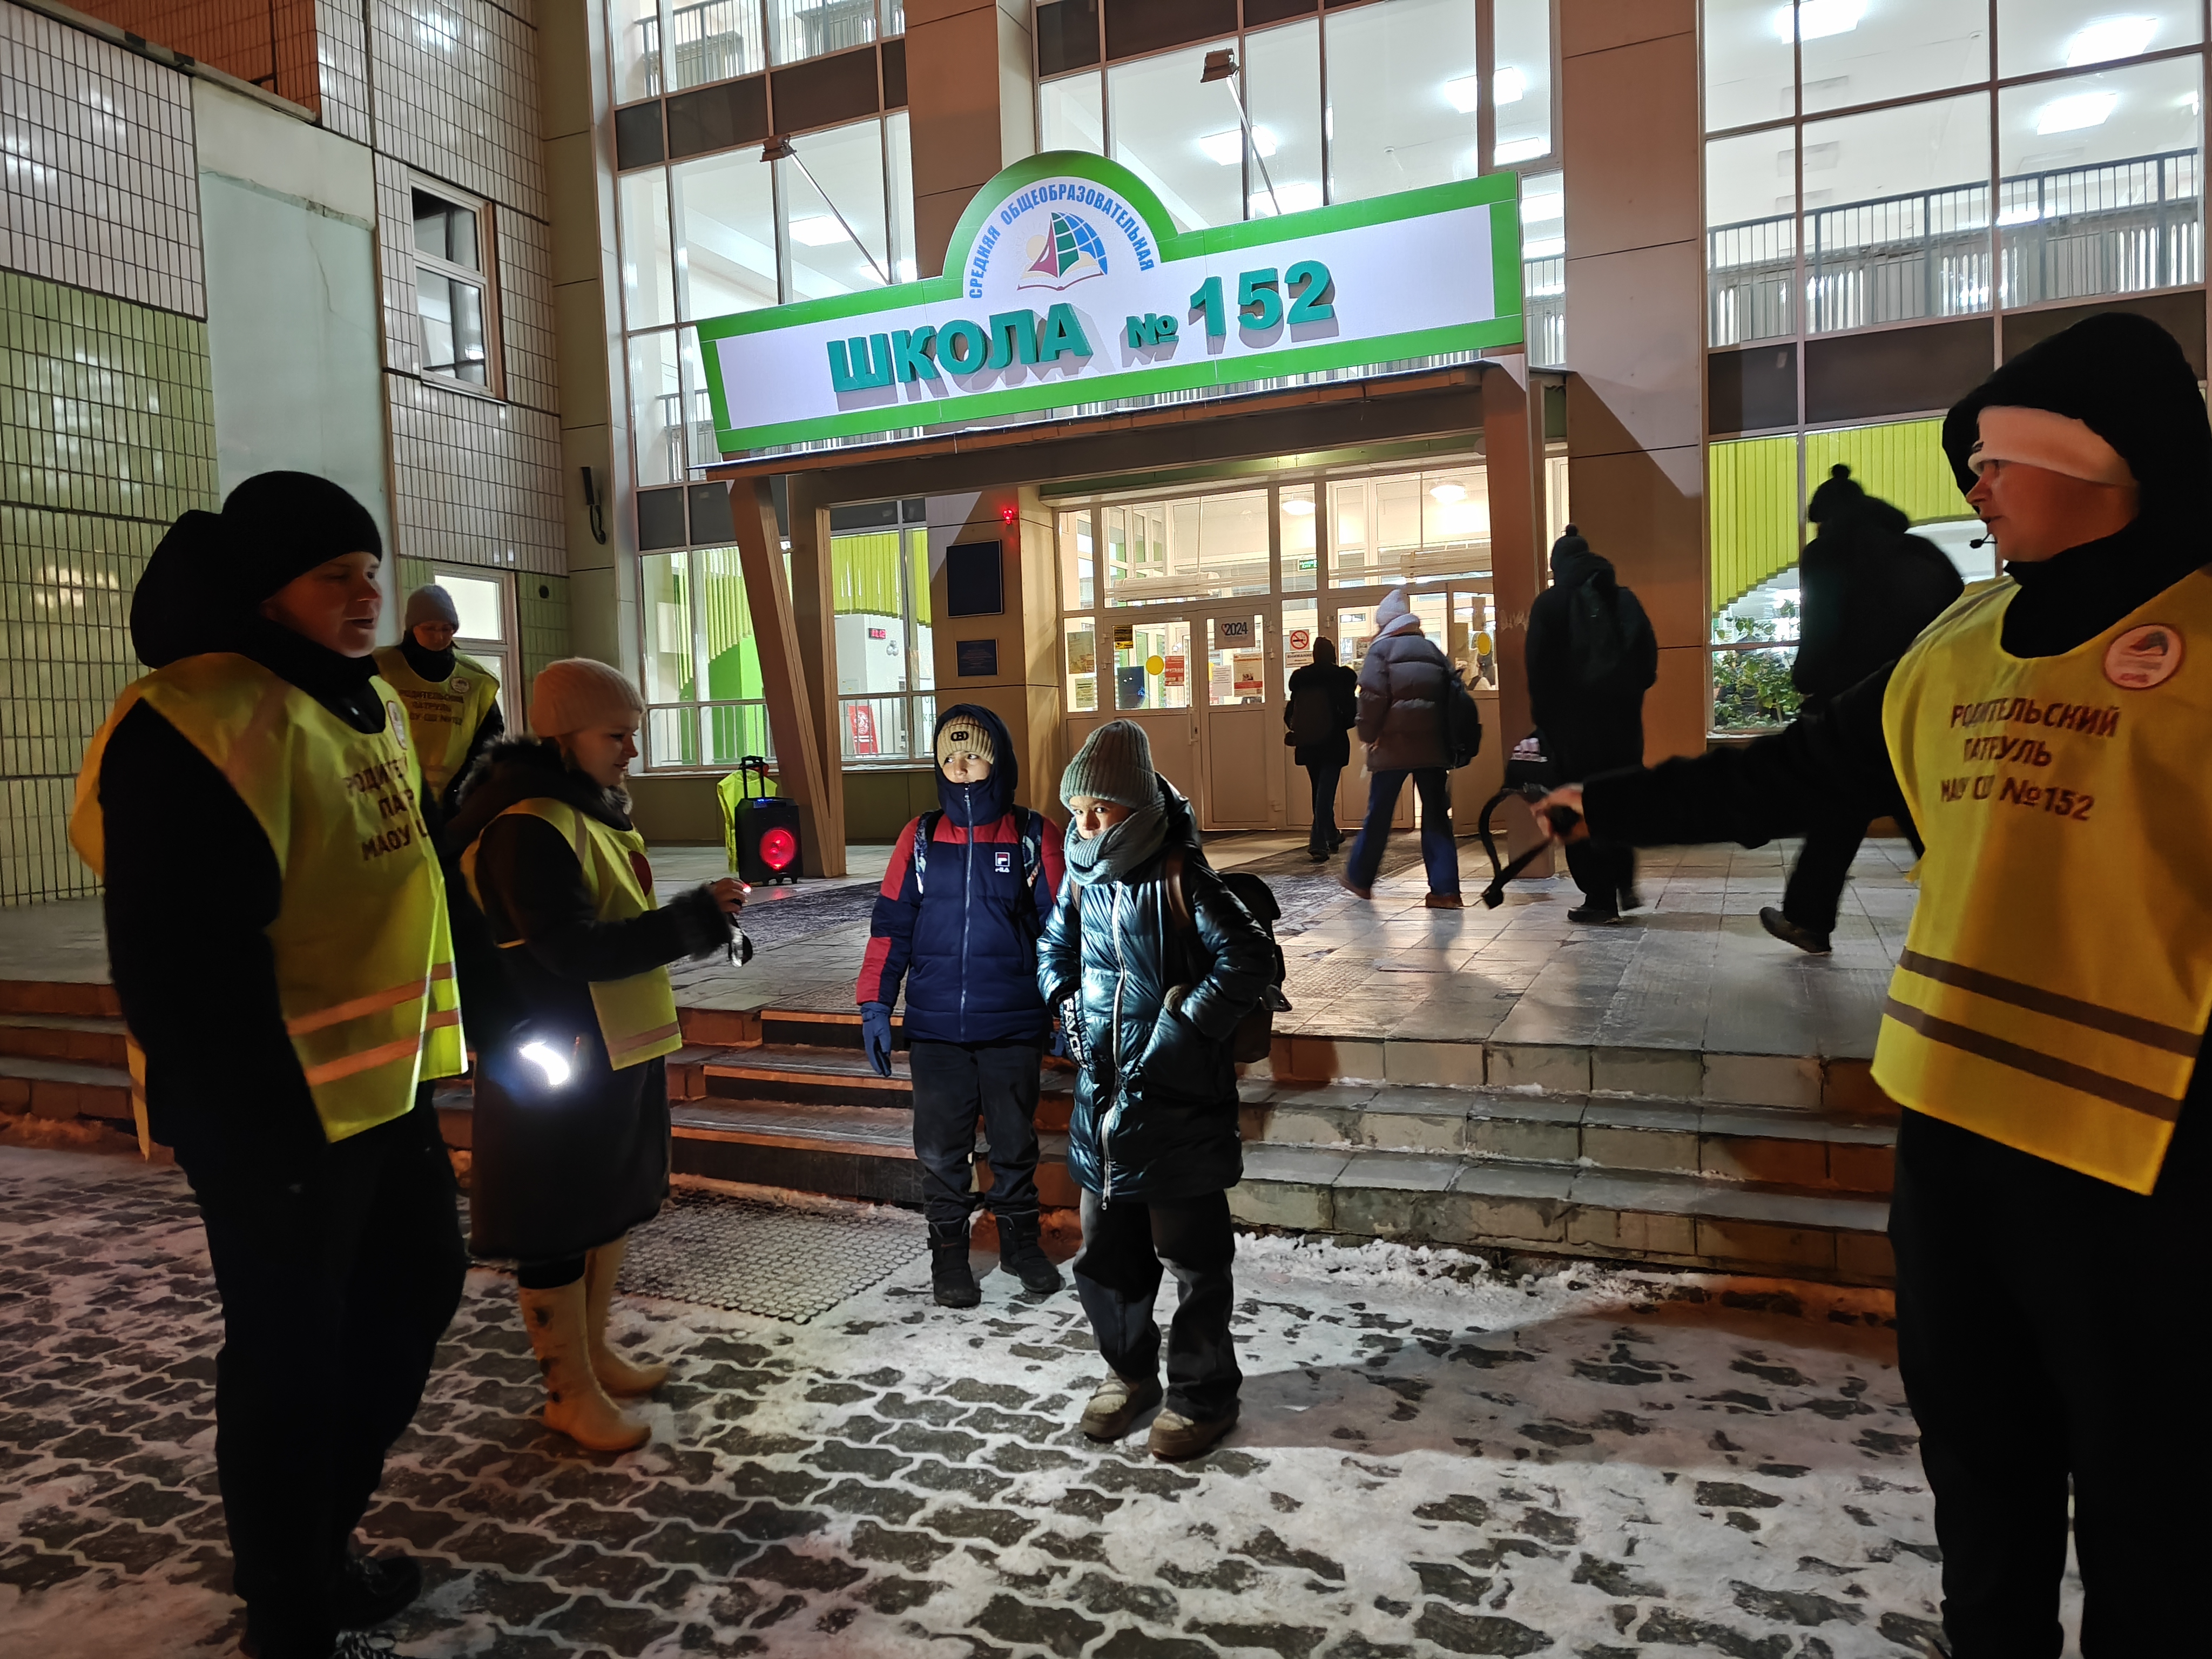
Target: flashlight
point(548, 1061)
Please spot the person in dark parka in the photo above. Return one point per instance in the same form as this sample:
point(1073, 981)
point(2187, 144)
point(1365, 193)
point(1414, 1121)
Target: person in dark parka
point(1322, 706)
point(1867, 589)
point(2037, 1299)
point(1592, 656)
point(1151, 1002)
point(964, 899)
point(571, 1130)
point(1405, 702)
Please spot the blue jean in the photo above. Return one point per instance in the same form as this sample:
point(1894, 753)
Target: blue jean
point(1438, 850)
point(1323, 838)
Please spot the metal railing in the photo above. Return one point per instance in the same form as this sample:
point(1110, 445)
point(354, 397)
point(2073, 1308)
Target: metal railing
point(2072, 232)
point(706, 734)
point(893, 725)
point(700, 441)
point(1544, 311)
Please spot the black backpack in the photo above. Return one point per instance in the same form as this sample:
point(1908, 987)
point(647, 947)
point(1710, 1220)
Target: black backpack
point(1313, 717)
point(1604, 622)
point(1462, 721)
point(1253, 1039)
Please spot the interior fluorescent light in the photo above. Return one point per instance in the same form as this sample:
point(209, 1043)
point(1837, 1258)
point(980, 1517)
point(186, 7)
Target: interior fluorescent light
point(820, 230)
point(1297, 507)
point(1227, 148)
point(1464, 93)
point(2108, 37)
point(1450, 492)
point(1295, 198)
point(2083, 109)
point(1509, 85)
point(1522, 149)
point(1816, 20)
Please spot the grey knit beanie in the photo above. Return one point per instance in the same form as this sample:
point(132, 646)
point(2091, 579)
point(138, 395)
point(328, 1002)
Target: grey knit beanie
point(577, 694)
point(431, 604)
point(1115, 764)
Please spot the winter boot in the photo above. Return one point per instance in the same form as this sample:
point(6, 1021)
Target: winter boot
point(1020, 1254)
point(950, 1279)
point(1117, 1403)
point(374, 1587)
point(616, 1374)
point(1175, 1436)
point(576, 1402)
point(1812, 944)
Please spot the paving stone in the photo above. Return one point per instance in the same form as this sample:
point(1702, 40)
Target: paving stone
point(812, 1572)
point(1101, 1595)
point(909, 1549)
point(625, 1631)
point(1460, 1632)
point(1002, 1527)
point(1060, 1629)
point(1131, 1643)
point(951, 1444)
point(945, 1477)
point(676, 1545)
point(1290, 1641)
point(876, 1463)
point(1272, 1552)
point(896, 1594)
point(886, 1502)
point(513, 1600)
point(766, 1520)
point(621, 1576)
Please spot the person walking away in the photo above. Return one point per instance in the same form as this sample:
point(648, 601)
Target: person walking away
point(1405, 692)
point(957, 919)
point(1323, 705)
point(2044, 741)
point(570, 1129)
point(452, 700)
point(1592, 656)
point(1867, 589)
point(1152, 962)
point(276, 933)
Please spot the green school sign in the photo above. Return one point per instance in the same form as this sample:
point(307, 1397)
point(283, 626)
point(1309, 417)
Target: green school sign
point(1067, 285)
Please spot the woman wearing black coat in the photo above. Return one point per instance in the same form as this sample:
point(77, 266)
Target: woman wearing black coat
point(571, 1122)
point(1324, 705)
point(1150, 1002)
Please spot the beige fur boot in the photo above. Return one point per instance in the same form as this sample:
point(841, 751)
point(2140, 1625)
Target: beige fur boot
point(576, 1403)
point(618, 1375)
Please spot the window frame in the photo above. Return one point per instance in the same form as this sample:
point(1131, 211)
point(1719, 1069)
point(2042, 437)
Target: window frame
point(484, 279)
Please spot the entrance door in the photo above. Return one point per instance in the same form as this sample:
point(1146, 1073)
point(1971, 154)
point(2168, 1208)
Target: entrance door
point(1152, 686)
point(1244, 725)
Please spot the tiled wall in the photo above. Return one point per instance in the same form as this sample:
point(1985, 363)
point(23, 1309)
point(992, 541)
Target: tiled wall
point(476, 482)
point(107, 434)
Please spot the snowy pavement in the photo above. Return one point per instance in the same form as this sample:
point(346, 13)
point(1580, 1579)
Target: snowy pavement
point(1432, 1461)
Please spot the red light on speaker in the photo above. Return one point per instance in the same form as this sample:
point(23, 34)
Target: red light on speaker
point(779, 849)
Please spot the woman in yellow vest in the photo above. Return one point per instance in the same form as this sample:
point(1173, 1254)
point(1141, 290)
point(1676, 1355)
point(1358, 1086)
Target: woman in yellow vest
point(2047, 739)
point(570, 1134)
point(452, 700)
point(276, 933)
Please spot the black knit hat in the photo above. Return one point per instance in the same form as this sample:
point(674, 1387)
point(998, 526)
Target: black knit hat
point(1836, 493)
point(2125, 379)
point(277, 525)
point(181, 606)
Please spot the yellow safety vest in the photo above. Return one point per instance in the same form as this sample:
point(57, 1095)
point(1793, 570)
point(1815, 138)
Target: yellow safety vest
point(2057, 979)
point(442, 717)
point(637, 1015)
point(364, 958)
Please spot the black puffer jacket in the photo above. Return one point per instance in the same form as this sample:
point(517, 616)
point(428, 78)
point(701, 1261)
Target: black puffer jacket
point(1869, 588)
point(1156, 1090)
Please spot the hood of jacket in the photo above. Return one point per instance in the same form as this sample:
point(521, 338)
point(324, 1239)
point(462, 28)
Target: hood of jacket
point(1573, 564)
point(517, 770)
point(972, 804)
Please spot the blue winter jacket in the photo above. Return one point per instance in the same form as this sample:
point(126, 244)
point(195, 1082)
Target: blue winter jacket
point(961, 932)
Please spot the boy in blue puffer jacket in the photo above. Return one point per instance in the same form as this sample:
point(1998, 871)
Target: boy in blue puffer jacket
point(962, 906)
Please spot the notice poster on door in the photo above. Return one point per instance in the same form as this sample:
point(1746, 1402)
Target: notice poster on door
point(1251, 668)
point(1083, 652)
point(1301, 639)
point(1176, 670)
point(861, 727)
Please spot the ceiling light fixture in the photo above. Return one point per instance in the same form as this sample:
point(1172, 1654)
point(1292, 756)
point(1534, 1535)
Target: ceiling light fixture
point(1816, 20)
point(1522, 149)
point(1450, 492)
point(1298, 507)
point(2083, 109)
point(1508, 86)
point(2109, 38)
point(1464, 94)
point(820, 230)
point(1227, 148)
point(1296, 198)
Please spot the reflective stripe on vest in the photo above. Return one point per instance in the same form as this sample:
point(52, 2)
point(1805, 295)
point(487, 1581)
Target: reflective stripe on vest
point(2055, 985)
point(442, 717)
point(363, 957)
point(637, 1015)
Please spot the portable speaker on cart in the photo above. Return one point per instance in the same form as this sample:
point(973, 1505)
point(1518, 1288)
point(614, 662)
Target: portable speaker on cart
point(760, 828)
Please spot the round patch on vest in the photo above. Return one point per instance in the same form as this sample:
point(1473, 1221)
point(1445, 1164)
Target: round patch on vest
point(398, 719)
point(2144, 657)
point(460, 685)
point(642, 870)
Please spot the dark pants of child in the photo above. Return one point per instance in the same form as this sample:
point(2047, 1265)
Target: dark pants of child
point(955, 1083)
point(1125, 1247)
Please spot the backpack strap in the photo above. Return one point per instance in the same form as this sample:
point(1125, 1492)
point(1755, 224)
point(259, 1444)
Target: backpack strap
point(924, 828)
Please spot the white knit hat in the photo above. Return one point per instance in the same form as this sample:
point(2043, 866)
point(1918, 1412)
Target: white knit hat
point(579, 693)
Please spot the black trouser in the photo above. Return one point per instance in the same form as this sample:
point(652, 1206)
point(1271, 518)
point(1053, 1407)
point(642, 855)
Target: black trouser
point(1125, 1246)
point(954, 1085)
point(1323, 837)
point(1602, 870)
point(1824, 864)
point(336, 1282)
point(2042, 1319)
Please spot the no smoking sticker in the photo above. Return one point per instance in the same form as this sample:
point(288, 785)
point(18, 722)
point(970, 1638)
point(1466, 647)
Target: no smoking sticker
point(2143, 657)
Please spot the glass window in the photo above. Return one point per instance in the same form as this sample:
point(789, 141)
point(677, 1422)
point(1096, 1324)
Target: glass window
point(1521, 82)
point(1897, 214)
point(1210, 547)
point(2101, 184)
point(1301, 554)
point(699, 428)
point(1544, 267)
point(880, 587)
point(636, 26)
point(452, 297)
point(799, 30)
point(1080, 639)
point(713, 41)
point(1750, 68)
point(671, 660)
point(1182, 139)
point(1282, 85)
point(1236, 661)
point(647, 262)
point(898, 159)
point(656, 392)
point(848, 163)
point(724, 234)
point(917, 568)
point(1410, 528)
point(1137, 555)
point(1078, 584)
point(1474, 648)
point(1151, 664)
point(1857, 53)
point(1402, 93)
point(1355, 627)
point(2049, 35)
point(1072, 114)
point(1751, 235)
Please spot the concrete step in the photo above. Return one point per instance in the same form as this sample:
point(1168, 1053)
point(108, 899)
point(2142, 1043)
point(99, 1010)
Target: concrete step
point(94, 1039)
point(90, 999)
point(792, 1075)
point(64, 1089)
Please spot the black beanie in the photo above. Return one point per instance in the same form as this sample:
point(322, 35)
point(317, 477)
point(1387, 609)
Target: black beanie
point(2125, 379)
point(181, 606)
point(279, 526)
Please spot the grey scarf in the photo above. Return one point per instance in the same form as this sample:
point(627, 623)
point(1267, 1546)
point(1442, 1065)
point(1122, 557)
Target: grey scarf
point(1113, 856)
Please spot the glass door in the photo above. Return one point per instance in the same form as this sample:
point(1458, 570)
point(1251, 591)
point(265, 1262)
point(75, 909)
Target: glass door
point(1150, 684)
point(1243, 723)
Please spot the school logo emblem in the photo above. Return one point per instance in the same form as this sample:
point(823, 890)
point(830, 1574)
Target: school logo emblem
point(2144, 657)
point(1067, 250)
point(1003, 862)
